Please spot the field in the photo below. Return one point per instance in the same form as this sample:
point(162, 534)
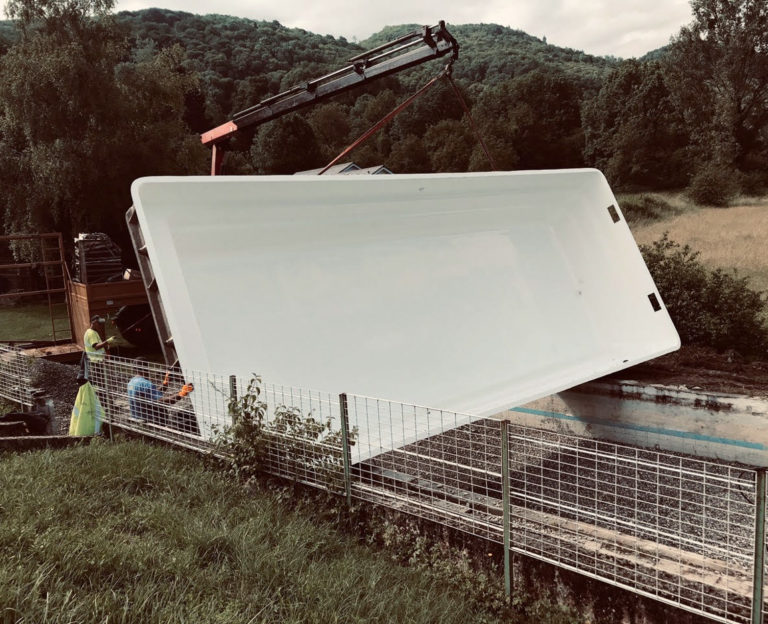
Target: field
point(32, 321)
point(128, 532)
point(734, 238)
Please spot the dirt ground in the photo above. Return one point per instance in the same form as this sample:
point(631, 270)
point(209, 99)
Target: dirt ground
point(698, 368)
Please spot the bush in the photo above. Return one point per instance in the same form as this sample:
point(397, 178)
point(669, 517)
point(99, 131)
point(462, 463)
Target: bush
point(645, 207)
point(714, 185)
point(755, 183)
point(290, 443)
point(709, 308)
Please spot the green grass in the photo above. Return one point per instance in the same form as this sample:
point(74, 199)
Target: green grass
point(32, 321)
point(128, 532)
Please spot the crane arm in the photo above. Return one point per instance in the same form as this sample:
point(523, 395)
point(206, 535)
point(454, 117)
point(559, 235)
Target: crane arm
point(394, 56)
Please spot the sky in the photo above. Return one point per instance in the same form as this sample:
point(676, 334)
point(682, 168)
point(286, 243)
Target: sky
point(622, 28)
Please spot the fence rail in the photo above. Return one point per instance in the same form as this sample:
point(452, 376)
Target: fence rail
point(674, 528)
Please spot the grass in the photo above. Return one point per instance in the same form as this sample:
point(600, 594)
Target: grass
point(32, 321)
point(645, 208)
point(128, 532)
point(728, 238)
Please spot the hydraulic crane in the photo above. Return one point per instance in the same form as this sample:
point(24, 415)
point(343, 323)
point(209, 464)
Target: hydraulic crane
point(407, 51)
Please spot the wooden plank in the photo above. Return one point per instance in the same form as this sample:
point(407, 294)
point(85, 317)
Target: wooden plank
point(64, 353)
point(28, 293)
point(105, 298)
point(80, 314)
point(30, 265)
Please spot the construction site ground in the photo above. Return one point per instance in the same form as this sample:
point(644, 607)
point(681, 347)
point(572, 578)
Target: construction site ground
point(692, 368)
point(703, 370)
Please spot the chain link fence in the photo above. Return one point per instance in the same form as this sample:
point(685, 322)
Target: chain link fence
point(674, 528)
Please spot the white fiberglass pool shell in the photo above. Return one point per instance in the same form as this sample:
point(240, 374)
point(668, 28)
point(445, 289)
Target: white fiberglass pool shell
point(468, 292)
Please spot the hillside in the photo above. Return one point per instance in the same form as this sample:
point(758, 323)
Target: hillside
point(241, 60)
point(491, 53)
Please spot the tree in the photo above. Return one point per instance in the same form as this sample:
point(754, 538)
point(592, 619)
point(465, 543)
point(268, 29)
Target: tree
point(73, 19)
point(633, 132)
point(533, 121)
point(285, 146)
point(718, 69)
point(409, 156)
point(449, 144)
point(80, 120)
point(330, 123)
point(709, 308)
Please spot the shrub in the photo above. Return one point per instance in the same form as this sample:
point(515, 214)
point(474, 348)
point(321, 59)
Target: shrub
point(755, 183)
point(709, 308)
point(645, 207)
point(290, 443)
point(714, 185)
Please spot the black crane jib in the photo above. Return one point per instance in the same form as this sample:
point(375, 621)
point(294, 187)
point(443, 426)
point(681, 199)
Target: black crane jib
point(407, 51)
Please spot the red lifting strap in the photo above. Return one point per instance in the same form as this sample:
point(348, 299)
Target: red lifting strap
point(387, 118)
point(382, 122)
point(472, 122)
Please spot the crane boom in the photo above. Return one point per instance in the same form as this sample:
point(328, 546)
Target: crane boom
point(407, 51)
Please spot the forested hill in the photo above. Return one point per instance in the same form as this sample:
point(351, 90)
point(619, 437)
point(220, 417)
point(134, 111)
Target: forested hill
point(241, 60)
point(491, 53)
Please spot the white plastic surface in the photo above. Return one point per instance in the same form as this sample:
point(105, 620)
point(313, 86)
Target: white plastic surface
point(468, 292)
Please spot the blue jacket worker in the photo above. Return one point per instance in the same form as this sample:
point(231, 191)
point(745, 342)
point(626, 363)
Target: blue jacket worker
point(146, 401)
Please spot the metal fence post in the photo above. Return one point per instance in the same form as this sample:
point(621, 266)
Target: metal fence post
point(506, 510)
point(109, 401)
point(346, 457)
point(759, 574)
point(232, 389)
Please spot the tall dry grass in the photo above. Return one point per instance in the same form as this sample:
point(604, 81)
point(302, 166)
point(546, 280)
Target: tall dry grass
point(727, 238)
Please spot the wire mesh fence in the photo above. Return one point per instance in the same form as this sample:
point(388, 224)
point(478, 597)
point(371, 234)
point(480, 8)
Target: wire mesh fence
point(674, 528)
point(187, 408)
point(15, 376)
point(302, 435)
point(438, 465)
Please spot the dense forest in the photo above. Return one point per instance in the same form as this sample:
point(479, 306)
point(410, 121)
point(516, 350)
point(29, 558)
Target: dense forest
point(91, 99)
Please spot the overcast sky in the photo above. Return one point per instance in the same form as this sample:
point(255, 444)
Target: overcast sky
point(620, 27)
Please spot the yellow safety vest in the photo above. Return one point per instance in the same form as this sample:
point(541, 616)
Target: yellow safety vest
point(91, 338)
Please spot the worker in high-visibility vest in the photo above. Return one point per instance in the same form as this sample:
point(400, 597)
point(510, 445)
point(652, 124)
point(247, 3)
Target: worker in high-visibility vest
point(96, 351)
point(95, 347)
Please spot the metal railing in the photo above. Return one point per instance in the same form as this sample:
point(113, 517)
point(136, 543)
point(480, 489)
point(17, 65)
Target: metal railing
point(684, 531)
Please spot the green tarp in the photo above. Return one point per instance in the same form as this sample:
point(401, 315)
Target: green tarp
point(87, 413)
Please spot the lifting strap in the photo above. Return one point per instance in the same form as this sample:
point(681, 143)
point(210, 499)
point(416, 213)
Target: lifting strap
point(475, 129)
point(389, 116)
point(383, 121)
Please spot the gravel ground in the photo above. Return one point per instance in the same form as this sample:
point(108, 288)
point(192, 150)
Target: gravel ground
point(59, 382)
point(676, 500)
